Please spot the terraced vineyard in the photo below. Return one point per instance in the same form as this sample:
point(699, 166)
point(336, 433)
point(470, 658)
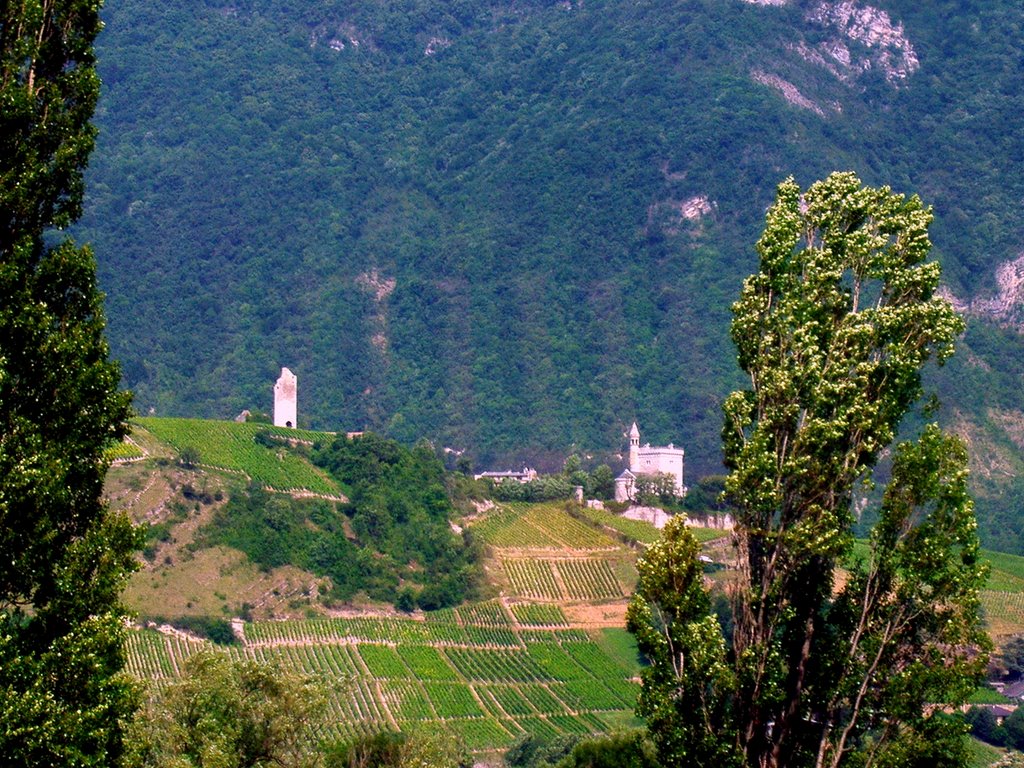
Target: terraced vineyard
point(478, 671)
point(563, 579)
point(1003, 599)
point(543, 553)
point(490, 671)
point(548, 657)
point(231, 446)
point(634, 530)
point(540, 526)
point(538, 614)
point(126, 450)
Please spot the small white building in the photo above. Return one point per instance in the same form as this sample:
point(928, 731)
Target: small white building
point(286, 399)
point(649, 460)
point(526, 476)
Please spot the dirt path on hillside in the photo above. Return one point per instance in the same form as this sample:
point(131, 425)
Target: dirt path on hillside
point(596, 616)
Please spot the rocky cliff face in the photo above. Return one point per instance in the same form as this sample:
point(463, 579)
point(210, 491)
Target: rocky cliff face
point(1006, 305)
point(789, 92)
point(866, 38)
point(863, 39)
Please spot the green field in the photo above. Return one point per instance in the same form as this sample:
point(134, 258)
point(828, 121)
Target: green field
point(981, 755)
point(231, 446)
point(1007, 574)
point(484, 682)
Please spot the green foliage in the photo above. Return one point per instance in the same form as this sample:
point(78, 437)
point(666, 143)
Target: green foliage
point(601, 483)
point(189, 457)
point(1011, 655)
point(938, 742)
point(217, 631)
point(400, 750)
point(530, 751)
point(619, 750)
point(230, 714)
point(543, 488)
point(62, 699)
point(1013, 730)
point(833, 332)
point(398, 508)
point(706, 497)
point(377, 750)
point(275, 530)
point(533, 140)
point(656, 490)
point(984, 726)
point(688, 683)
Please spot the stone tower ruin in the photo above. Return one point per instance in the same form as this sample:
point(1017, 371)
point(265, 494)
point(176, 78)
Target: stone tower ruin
point(286, 399)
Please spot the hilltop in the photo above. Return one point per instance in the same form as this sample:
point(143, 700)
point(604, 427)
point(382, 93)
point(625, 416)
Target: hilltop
point(248, 519)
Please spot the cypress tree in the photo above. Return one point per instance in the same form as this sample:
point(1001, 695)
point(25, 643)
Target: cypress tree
point(65, 557)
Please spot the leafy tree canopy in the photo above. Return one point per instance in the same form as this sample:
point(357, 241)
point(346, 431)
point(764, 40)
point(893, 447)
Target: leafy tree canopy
point(1012, 656)
point(399, 508)
point(833, 332)
point(230, 714)
point(65, 557)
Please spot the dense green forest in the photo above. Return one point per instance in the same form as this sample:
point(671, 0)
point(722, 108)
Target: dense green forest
point(515, 227)
point(392, 540)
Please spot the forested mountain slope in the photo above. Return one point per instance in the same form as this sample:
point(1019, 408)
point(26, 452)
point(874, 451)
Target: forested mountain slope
point(514, 227)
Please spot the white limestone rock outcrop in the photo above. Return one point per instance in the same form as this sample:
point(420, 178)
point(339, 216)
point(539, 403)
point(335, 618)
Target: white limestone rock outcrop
point(1006, 305)
point(887, 46)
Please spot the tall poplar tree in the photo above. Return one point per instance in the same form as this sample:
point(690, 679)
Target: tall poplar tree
point(63, 556)
point(833, 331)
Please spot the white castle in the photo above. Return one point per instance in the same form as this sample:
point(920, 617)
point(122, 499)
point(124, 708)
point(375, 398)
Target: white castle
point(286, 399)
point(649, 460)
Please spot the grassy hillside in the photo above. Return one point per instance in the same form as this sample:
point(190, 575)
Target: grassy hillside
point(334, 518)
point(546, 654)
point(182, 575)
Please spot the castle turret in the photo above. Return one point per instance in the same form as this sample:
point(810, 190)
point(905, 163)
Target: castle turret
point(634, 448)
point(651, 460)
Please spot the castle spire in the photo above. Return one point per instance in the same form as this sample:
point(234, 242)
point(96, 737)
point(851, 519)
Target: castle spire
point(634, 448)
